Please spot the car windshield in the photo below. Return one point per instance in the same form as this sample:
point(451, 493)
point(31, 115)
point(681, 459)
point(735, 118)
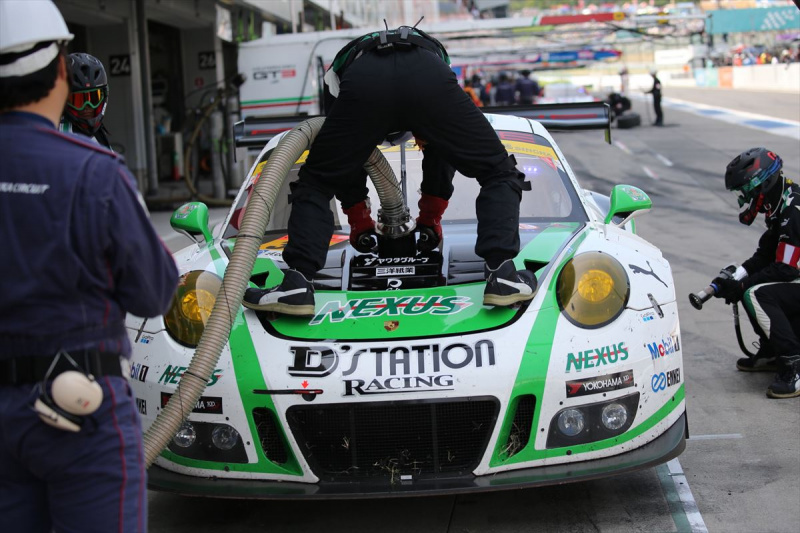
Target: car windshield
point(552, 197)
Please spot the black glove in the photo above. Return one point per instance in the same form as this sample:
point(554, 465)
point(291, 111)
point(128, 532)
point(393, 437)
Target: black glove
point(730, 289)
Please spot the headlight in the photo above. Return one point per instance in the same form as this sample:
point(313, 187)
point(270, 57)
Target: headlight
point(185, 436)
point(224, 437)
point(570, 422)
point(614, 416)
point(191, 306)
point(581, 424)
point(592, 289)
point(207, 441)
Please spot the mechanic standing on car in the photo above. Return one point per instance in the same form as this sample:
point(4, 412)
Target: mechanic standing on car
point(389, 81)
point(771, 289)
point(88, 98)
point(79, 253)
point(656, 92)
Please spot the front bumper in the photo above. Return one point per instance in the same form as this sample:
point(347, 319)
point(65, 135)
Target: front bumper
point(667, 446)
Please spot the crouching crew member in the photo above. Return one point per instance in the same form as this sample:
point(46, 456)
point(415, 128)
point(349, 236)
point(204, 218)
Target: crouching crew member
point(79, 254)
point(771, 290)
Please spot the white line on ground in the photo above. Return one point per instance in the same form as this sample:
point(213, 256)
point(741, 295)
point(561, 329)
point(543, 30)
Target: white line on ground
point(649, 172)
point(696, 521)
point(722, 436)
point(622, 147)
point(664, 160)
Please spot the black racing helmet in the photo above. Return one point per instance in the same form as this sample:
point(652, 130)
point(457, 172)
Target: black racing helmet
point(754, 175)
point(88, 93)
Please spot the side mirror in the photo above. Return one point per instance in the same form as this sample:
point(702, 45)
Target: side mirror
point(192, 220)
point(626, 202)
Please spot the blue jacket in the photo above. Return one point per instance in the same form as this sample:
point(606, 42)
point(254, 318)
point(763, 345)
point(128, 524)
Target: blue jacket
point(78, 250)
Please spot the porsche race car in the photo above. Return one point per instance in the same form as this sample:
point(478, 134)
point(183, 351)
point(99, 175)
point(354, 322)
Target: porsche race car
point(403, 382)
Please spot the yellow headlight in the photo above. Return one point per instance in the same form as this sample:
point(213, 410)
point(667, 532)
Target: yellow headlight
point(191, 306)
point(592, 289)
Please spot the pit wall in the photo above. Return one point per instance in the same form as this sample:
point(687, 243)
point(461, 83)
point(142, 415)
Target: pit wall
point(780, 78)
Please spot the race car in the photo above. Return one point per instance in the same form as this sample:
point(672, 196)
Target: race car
point(403, 382)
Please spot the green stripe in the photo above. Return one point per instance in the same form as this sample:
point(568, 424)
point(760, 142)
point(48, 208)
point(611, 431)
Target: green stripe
point(247, 370)
point(278, 100)
point(532, 377)
point(673, 500)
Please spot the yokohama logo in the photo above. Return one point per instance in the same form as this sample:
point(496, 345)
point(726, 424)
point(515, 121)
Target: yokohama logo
point(583, 387)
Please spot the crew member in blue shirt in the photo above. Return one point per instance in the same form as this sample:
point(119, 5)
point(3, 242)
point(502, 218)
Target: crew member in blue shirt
point(79, 253)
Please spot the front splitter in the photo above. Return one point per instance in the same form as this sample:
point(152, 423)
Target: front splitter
point(667, 446)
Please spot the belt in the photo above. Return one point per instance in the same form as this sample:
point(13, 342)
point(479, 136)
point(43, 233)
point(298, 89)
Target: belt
point(32, 369)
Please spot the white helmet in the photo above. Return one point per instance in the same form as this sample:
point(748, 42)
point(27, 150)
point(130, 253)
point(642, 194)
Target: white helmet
point(24, 24)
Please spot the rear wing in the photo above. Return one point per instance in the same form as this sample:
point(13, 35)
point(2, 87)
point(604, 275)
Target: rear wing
point(256, 132)
point(571, 116)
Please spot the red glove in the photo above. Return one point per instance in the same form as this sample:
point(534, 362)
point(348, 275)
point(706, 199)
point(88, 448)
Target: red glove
point(362, 227)
point(429, 221)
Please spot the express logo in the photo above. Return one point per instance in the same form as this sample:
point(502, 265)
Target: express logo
point(595, 357)
point(664, 380)
point(393, 369)
point(173, 374)
point(336, 311)
point(146, 339)
point(666, 347)
point(647, 317)
point(610, 382)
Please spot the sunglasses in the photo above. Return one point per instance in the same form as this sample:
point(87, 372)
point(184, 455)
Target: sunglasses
point(78, 100)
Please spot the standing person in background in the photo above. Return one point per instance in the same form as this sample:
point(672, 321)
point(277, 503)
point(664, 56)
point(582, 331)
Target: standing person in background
point(504, 95)
point(483, 90)
point(82, 255)
point(526, 89)
point(470, 90)
point(88, 98)
point(656, 92)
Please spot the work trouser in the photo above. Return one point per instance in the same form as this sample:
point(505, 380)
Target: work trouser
point(657, 109)
point(404, 90)
point(55, 480)
point(776, 309)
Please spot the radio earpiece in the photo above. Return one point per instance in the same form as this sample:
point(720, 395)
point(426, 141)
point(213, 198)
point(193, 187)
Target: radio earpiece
point(73, 395)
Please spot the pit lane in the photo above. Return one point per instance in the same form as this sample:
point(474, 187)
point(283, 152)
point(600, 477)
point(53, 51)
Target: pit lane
point(741, 467)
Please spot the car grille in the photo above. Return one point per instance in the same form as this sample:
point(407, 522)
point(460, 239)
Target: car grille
point(393, 440)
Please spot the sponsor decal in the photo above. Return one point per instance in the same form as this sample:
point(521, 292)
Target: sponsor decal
point(394, 284)
point(393, 369)
point(141, 406)
point(664, 380)
point(336, 311)
point(381, 261)
point(210, 405)
point(173, 374)
point(664, 348)
point(595, 357)
point(184, 211)
point(145, 339)
point(600, 384)
point(647, 317)
point(139, 371)
point(391, 325)
point(23, 188)
point(639, 270)
point(395, 271)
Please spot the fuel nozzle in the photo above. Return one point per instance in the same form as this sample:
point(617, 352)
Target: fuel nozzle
point(697, 299)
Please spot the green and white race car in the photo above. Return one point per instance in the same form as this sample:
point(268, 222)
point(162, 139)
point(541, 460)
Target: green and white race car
point(403, 383)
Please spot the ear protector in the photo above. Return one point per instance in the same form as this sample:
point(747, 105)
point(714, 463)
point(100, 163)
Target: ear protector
point(73, 395)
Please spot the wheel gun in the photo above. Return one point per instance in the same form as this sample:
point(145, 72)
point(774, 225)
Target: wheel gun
point(697, 299)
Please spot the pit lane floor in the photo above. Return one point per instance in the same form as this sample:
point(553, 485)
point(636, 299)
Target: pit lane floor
point(741, 468)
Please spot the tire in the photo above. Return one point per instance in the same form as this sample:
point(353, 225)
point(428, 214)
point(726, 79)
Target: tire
point(628, 120)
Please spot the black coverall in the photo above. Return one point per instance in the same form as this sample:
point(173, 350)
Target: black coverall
point(656, 92)
point(410, 89)
point(772, 287)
